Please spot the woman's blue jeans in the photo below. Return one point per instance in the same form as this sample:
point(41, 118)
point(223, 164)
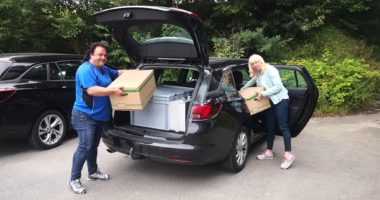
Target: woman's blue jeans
point(278, 114)
point(89, 134)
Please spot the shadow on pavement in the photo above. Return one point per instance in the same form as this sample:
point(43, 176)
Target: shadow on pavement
point(10, 147)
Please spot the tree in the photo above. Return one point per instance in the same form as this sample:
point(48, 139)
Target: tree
point(49, 25)
point(24, 25)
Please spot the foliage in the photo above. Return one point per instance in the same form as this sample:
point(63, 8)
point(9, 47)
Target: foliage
point(23, 25)
point(287, 18)
point(48, 25)
point(344, 86)
point(245, 43)
point(301, 31)
point(329, 39)
point(171, 30)
point(117, 56)
point(224, 49)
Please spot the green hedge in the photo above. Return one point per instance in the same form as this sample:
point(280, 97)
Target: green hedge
point(345, 86)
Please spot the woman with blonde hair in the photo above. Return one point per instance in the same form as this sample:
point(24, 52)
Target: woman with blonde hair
point(265, 75)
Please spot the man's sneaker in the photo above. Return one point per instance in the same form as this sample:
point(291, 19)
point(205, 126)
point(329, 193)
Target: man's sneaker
point(286, 162)
point(98, 175)
point(265, 156)
point(77, 186)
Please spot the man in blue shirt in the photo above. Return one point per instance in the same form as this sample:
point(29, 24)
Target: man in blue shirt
point(91, 111)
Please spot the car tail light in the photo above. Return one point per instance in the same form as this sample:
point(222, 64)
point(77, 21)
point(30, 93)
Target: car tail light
point(6, 93)
point(206, 111)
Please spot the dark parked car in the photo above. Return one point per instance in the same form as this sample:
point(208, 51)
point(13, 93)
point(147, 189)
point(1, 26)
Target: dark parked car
point(195, 115)
point(37, 92)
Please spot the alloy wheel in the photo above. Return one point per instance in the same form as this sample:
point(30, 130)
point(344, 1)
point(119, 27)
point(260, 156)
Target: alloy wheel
point(241, 148)
point(50, 129)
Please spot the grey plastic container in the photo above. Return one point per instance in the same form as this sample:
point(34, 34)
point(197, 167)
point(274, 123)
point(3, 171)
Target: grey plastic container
point(156, 112)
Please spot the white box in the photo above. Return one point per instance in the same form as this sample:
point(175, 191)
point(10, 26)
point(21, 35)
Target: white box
point(157, 114)
point(177, 115)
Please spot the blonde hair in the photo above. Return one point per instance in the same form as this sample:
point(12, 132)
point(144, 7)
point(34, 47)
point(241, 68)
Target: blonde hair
point(253, 58)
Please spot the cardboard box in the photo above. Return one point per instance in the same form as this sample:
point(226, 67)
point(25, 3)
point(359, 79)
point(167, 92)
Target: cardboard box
point(254, 106)
point(140, 86)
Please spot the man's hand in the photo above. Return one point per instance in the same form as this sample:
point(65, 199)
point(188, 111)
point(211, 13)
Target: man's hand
point(119, 91)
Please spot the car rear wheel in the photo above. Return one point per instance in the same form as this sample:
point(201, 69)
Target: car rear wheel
point(49, 130)
point(237, 158)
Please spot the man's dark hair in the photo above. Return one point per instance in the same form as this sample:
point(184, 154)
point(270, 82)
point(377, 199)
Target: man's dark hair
point(90, 50)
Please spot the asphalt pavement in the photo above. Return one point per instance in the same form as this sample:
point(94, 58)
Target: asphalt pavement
point(336, 158)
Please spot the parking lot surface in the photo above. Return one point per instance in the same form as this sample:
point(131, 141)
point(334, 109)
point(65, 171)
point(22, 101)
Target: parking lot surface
point(336, 158)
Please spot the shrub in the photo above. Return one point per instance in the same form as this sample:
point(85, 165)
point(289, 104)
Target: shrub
point(244, 43)
point(344, 86)
point(329, 39)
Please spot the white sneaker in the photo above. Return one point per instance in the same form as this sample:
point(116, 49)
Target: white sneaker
point(98, 175)
point(286, 162)
point(265, 156)
point(77, 187)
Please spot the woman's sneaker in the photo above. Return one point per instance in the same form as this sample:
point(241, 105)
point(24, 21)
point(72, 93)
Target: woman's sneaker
point(265, 156)
point(77, 187)
point(286, 162)
point(98, 175)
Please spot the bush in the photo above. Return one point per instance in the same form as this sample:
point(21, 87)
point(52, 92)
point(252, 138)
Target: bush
point(329, 39)
point(244, 43)
point(344, 86)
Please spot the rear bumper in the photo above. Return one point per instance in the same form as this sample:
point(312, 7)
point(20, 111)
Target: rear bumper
point(162, 150)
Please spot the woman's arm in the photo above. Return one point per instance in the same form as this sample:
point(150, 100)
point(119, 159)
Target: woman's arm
point(250, 83)
point(277, 86)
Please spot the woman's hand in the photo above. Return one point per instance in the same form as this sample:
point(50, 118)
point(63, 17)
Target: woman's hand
point(259, 97)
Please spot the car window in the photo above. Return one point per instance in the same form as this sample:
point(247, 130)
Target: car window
point(228, 86)
point(159, 32)
point(191, 78)
point(13, 72)
point(245, 73)
point(4, 66)
point(37, 73)
point(170, 76)
point(54, 72)
point(68, 69)
point(292, 79)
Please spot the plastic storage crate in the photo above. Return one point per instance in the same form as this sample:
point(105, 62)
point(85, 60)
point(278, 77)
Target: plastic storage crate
point(158, 114)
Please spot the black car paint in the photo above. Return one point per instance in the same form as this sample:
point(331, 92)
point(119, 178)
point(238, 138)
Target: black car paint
point(19, 113)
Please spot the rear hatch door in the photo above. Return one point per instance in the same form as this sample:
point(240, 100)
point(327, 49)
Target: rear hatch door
point(152, 34)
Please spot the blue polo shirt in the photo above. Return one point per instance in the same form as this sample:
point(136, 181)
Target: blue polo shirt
point(88, 76)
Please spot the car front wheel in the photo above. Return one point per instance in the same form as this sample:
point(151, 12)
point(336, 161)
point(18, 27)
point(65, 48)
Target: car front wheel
point(237, 158)
point(49, 130)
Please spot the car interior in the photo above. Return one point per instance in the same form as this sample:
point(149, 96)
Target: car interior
point(292, 80)
point(238, 78)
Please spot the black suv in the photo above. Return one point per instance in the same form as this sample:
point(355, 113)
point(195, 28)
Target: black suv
point(37, 92)
point(195, 115)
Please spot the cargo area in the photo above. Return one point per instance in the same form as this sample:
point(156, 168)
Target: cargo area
point(166, 110)
point(165, 114)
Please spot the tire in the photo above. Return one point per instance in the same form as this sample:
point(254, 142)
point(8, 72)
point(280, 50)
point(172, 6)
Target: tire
point(237, 158)
point(49, 130)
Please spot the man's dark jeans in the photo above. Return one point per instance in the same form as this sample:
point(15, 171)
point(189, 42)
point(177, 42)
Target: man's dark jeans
point(89, 134)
